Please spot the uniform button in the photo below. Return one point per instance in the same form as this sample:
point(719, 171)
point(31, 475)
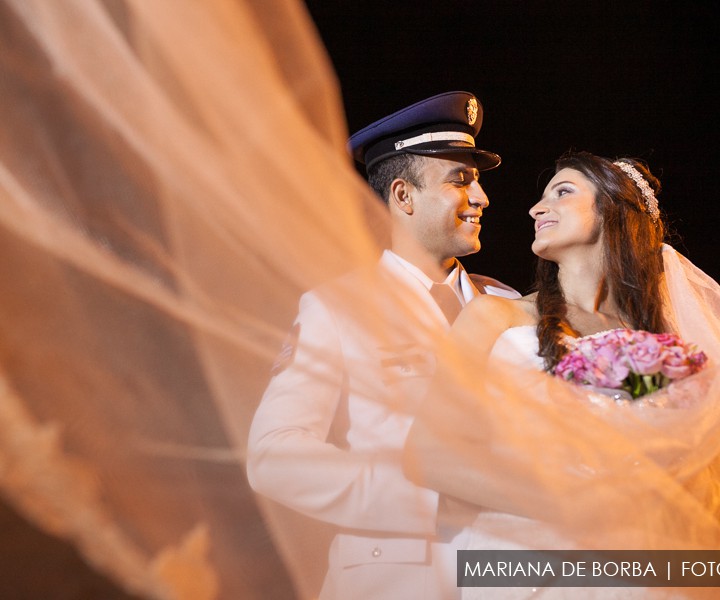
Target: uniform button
point(376, 552)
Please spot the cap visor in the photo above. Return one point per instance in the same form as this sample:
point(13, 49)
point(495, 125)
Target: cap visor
point(484, 159)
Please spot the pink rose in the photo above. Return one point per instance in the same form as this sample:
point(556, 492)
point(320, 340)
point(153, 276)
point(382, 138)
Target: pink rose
point(680, 361)
point(609, 368)
point(675, 364)
point(573, 367)
point(668, 339)
point(697, 360)
point(645, 356)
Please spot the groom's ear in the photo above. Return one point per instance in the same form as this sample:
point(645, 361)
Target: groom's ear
point(401, 195)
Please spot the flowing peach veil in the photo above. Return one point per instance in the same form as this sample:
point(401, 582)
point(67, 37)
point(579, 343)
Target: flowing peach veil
point(164, 166)
point(173, 176)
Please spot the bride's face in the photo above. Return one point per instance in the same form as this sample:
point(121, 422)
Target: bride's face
point(565, 218)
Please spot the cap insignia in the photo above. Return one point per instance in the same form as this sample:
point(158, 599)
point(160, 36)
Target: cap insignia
point(472, 110)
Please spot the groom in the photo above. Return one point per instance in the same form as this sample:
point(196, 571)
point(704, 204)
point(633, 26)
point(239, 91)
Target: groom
point(327, 437)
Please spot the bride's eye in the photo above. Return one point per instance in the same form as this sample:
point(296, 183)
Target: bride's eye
point(561, 191)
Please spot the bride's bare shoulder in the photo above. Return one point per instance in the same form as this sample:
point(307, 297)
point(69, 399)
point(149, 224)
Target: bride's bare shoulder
point(528, 304)
point(505, 311)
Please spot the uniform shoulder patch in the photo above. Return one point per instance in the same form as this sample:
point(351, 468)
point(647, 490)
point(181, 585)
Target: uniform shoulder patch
point(287, 352)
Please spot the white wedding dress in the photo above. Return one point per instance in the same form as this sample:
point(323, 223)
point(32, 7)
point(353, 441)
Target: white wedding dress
point(519, 346)
point(494, 530)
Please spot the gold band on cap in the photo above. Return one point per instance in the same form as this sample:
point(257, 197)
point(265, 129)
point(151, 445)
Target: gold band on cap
point(436, 136)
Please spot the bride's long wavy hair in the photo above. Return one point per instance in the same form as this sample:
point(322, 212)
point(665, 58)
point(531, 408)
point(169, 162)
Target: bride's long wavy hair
point(633, 266)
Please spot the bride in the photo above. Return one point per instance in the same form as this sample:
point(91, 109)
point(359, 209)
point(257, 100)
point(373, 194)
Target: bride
point(599, 238)
point(548, 465)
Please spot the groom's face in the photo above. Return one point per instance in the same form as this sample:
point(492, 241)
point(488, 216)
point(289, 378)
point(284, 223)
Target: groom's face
point(448, 206)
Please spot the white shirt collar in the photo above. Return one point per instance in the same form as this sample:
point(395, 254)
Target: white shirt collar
point(457, 279)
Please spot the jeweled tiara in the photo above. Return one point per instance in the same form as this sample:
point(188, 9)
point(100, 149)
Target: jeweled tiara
point(650, 200)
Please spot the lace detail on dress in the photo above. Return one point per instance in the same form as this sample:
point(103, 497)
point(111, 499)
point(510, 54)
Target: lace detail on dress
point(571, 341)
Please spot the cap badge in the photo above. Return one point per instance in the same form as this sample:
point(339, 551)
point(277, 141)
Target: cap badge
point(472, 110)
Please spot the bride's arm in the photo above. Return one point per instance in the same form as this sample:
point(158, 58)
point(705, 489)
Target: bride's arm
point(447, 451)
point(446, 442)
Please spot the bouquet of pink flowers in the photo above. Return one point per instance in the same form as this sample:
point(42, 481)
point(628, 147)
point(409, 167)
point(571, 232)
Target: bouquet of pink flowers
point(638, 362)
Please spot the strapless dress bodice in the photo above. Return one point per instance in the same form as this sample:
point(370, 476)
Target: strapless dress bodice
point(518, 346)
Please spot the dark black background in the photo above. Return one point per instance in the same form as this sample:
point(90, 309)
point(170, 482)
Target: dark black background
point(637, 78)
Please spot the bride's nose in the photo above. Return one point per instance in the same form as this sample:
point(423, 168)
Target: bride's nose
point(538, 210)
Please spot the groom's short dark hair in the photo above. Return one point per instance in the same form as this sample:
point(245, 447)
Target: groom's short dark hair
point(401, 166)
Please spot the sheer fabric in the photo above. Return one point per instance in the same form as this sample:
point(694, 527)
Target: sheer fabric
point(585, 470)
point(173, 176)
point(155, 237)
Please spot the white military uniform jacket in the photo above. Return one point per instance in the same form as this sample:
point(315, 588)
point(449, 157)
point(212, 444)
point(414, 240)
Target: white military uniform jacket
point(328, 435)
